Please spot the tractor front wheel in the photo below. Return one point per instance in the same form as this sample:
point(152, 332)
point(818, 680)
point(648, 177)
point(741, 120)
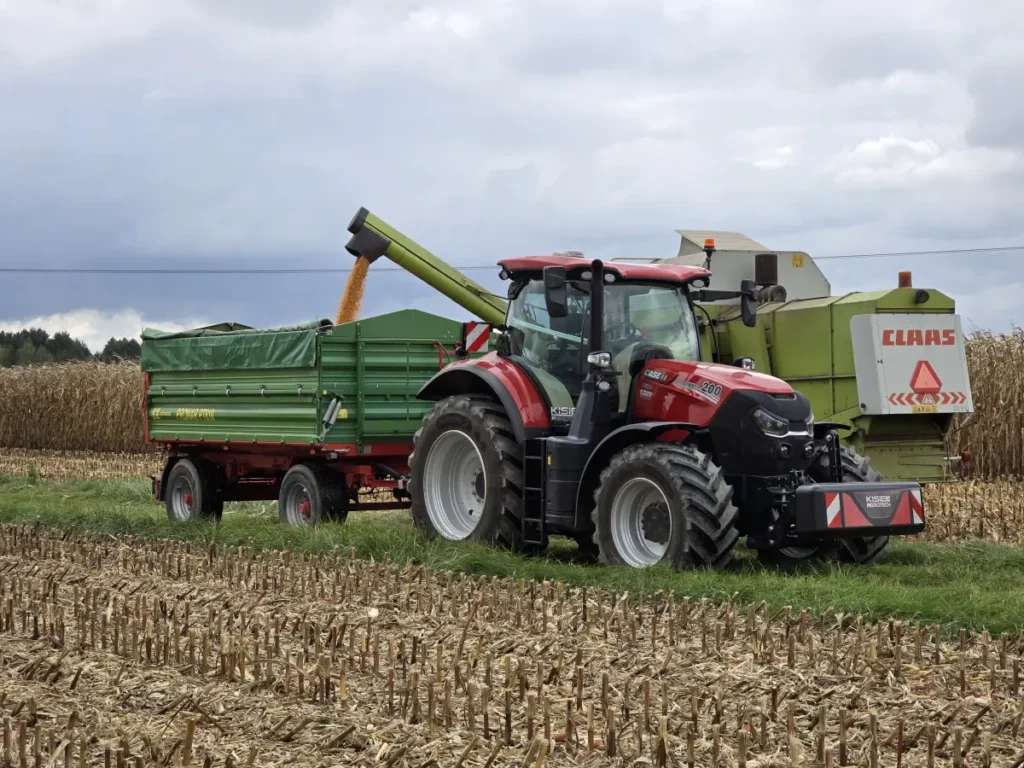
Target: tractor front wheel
point(466, 476)
point(664, 503)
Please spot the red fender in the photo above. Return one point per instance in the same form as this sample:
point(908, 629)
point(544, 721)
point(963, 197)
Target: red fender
point(498, 376)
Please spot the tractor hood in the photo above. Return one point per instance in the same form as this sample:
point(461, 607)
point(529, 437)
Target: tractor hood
point(728, 376)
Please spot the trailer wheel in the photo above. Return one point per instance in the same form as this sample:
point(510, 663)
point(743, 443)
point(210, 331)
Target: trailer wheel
point(310, 495)
point(860, 549)
point(190, 494)
point(662, 503)
point(466, 475)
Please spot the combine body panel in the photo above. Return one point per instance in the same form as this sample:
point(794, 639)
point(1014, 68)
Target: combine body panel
point(810, 343)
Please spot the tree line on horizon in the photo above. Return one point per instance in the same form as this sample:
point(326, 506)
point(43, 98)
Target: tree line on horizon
point(34, 346)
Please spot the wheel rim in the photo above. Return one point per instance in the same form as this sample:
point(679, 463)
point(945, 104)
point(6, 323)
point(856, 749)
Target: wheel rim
point(182, 495)
point(298, 505)
point(641, 522)
point(454, 485)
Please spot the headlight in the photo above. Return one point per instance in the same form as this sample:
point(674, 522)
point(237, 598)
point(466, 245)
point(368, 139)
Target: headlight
point(770, 424)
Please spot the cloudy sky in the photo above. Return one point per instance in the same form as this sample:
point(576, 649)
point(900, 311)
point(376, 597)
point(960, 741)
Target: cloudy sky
point(246, 133)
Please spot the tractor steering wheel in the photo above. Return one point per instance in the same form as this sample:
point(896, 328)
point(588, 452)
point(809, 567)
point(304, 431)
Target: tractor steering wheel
point(622, 335)
point(625, 332)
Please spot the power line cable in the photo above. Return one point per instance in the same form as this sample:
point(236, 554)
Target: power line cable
point(994, 249)
point(471, 267)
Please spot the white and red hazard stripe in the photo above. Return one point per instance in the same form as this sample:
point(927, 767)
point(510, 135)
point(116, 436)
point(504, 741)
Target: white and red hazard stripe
point(916, 508)
point(834, 503)
point(476, 336)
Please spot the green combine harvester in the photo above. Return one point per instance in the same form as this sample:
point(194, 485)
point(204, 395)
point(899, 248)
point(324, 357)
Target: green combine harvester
point(890, 365)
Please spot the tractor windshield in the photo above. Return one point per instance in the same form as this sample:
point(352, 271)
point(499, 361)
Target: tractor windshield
point(651, 313)
point(555, 349)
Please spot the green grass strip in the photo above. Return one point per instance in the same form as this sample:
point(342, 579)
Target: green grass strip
point(977, 586)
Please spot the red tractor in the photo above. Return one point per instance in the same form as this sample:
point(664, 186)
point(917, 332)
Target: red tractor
point(595, 419)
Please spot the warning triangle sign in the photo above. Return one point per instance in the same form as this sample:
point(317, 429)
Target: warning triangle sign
point(925, 380)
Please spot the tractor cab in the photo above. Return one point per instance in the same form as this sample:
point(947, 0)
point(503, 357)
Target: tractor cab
point(647, 313)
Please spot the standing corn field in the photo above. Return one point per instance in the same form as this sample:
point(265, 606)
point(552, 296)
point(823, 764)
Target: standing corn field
point(98, 407)
point(73, 407)
point(993, 436)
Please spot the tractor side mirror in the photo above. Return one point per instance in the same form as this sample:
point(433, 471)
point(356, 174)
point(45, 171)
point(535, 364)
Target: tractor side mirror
point(748, 302)
point(556, 296)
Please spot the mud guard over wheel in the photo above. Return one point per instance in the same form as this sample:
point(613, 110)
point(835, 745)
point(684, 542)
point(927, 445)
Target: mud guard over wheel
point(860, 550)
point(664, 503)
point(466, 473)
point(310, 495)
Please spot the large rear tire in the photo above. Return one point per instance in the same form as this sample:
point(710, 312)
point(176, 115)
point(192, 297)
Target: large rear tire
point(663, 503)
point(466, 473)
point(861, 549)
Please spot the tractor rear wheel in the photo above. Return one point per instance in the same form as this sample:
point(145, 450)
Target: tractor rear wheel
point(664, 503)
point(860, 549)
point(466, 474)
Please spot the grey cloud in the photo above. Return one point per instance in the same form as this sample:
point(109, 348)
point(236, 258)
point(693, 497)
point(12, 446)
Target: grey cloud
point(272, 13)
point(228, 132)
point(999, 119)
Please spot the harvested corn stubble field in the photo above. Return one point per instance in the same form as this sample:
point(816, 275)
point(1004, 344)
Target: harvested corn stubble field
point(132, 652)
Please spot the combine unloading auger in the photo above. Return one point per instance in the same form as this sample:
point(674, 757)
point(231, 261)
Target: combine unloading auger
point(372, 238)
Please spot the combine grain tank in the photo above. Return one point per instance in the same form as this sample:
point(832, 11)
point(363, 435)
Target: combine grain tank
point(309, 415)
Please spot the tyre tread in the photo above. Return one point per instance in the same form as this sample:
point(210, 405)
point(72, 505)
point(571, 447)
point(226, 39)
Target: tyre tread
point(488, 418)
point(710, 538)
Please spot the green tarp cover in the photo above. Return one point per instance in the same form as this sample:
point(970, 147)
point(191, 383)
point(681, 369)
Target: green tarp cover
point(231, 346)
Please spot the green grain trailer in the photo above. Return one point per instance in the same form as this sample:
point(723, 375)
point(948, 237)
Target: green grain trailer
point(310, 415)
